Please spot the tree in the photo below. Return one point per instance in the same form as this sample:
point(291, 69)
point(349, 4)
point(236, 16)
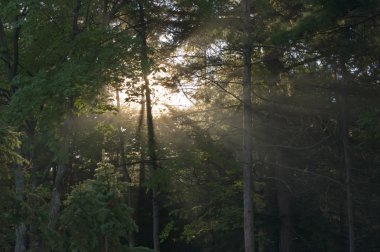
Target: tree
point(247, 128)
point(305, 77)
point(96, 216)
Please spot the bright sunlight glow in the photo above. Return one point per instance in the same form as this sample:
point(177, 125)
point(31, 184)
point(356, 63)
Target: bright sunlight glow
point(162, 99)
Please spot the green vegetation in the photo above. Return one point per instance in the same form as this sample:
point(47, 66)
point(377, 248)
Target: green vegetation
point(269, 138)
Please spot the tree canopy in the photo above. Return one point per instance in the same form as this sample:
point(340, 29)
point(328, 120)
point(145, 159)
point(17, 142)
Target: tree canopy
point(177, 125)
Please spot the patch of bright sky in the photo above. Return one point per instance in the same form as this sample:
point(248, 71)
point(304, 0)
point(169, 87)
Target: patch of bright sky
point(162, 99)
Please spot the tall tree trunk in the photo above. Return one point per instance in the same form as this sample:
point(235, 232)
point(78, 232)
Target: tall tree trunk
point(4, 52)
point(145, 67)
point(62, 171)
point(143, 205)
point(11, 66)
point(153, 168)
point(123, 166)
point(20, 228)
point(105, 244)
point(347, 163)
point(33, 231)
point(64, 160)
point(19, 183)
point(247, 128)
point(141, 143)
point(284, 203)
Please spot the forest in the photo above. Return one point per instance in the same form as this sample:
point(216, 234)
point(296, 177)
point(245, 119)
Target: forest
point(189, 125)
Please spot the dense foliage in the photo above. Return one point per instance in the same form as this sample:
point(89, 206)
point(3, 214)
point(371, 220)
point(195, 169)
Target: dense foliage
point(95, 212)
point(93, 157)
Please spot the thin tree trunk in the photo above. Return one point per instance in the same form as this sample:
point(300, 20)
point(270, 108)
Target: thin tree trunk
point(20, 227)
point(142, 200)
point(347, 164)
point(141, 140)
point(75, 27)
point(62, 170)
point(33, 169)
point(105, 244)
point(64, 160)
point(34, 233)
point(150, 127)
point(4, 52)
point(19, 183)
point(153, 167)
point(247, 128)
point(123, 165)
point(350, 215)
point(284, 203)
point(11, 66)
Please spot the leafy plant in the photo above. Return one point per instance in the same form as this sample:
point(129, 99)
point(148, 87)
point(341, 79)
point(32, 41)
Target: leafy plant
point(96, 215)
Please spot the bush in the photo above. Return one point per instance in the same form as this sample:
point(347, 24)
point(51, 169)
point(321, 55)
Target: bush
point(95, 214)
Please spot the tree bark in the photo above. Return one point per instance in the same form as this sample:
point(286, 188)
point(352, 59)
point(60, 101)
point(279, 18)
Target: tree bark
point(347, 163)
point(105, 243)
point(64, 160)
point(145, 67)
point(153, 168)
point(34, 236)
point(123, 166)
point(247, 128)
point(62, 170)
point(141, 145)
point(4, 52)
point(20, 227)
point(11, 66)
point(284, 203)
point(143, 205)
